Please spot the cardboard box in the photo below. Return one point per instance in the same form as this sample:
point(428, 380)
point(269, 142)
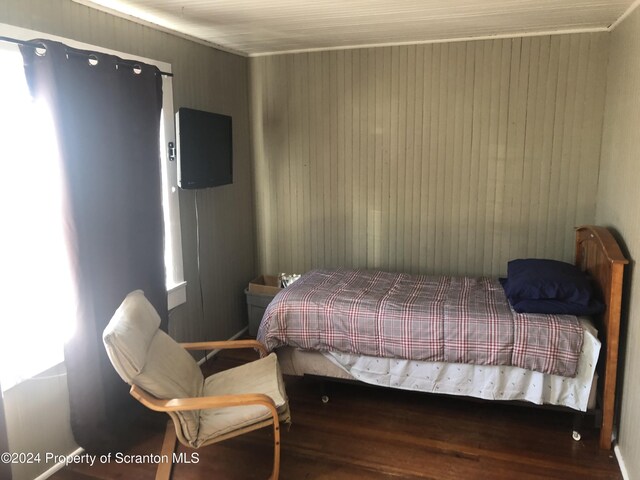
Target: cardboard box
point(265, 285)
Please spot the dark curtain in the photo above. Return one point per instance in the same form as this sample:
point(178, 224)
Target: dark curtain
point(5, 468)
point(107, 118)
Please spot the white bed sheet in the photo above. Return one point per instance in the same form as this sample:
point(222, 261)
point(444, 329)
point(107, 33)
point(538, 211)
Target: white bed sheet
point(482, 381)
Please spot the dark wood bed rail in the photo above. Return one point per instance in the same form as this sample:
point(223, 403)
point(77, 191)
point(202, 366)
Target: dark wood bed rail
point(598, 253)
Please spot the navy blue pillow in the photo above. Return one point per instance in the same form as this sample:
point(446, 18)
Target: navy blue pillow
point(541, 279)
point(558, 307)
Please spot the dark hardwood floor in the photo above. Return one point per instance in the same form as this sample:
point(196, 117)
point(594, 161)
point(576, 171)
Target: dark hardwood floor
point(370, 433)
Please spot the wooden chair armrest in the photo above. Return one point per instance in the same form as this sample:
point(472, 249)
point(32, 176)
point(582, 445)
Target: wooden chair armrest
point(226, 344)
point(200, 403)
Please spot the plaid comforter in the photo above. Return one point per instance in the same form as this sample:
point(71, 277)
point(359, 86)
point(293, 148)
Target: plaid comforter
point(438, 319)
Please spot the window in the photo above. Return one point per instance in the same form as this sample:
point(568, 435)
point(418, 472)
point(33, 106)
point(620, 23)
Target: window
point(176, 286)
point(37, 285)
point(39, 305)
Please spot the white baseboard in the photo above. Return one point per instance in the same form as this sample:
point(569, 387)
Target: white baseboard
point(213, 353)
point(623, 467)
point(59, 465)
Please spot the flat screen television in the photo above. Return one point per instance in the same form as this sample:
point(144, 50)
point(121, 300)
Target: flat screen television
point(204, 148)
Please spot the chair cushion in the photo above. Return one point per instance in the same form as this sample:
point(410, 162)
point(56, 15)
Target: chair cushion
point(129, 333)
point(145, 356)
point(260, 376)
point(171, 372)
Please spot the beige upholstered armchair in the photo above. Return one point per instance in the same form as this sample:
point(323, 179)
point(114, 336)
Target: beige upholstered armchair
point(165, 378)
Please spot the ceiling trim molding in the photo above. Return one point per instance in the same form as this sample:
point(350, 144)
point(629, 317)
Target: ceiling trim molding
point(627, 12)
point(443, 40)
point(155, 26)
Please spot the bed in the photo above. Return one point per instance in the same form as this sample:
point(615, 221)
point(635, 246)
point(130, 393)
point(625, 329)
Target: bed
point(322, 326)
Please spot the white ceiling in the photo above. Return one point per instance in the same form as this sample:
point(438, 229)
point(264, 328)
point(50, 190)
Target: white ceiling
point(258, 27)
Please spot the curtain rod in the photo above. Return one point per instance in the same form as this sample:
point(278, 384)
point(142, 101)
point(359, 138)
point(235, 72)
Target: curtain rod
point(40, 45)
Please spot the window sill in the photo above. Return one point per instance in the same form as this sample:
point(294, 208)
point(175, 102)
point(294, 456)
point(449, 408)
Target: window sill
point(177, 295)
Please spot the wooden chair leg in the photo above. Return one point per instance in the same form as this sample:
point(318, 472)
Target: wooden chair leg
point(276, 450)
point(168, 447)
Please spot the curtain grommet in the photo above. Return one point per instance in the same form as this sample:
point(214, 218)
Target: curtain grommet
point(40, 49)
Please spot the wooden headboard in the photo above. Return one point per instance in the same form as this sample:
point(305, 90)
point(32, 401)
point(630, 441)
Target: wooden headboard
point(598, 253)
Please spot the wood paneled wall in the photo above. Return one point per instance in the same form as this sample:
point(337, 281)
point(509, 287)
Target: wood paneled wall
point(619, 209)
point(442, 158)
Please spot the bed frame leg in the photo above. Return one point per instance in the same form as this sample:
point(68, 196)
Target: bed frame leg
point(324, 392)
point(577, 425)
point(597, 419)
